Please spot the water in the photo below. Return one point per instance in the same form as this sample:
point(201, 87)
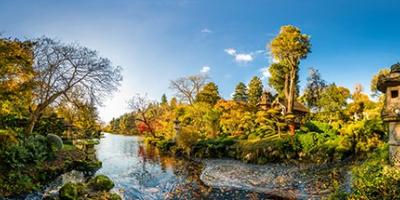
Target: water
point(140, 172)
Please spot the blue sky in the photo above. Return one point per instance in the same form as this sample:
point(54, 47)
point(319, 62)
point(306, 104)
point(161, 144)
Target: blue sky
point(157, 41)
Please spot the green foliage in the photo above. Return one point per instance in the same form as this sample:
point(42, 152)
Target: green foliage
point(214, 147)
point(312, 92)
point(186, 138)
point(261, 151)
point(164, 100)
point(33, 149)
point(374, 81)
point(209, 94)
point(240, 93)
point(375, 178)
point(101, 183)
point(68, 191)
point(255, 89)
point(166, 144)
point(332, 103)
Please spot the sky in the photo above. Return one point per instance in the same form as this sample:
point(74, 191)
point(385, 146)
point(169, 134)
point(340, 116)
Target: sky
point(158, 41)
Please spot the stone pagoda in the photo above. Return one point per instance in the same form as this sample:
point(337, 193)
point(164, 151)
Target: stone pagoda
point(390, 86)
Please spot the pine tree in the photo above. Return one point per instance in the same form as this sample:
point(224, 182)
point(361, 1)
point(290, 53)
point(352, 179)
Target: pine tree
point(313, 90)
point(240, 93)
point(209, 94)
point(255, 90)
point(164, 99)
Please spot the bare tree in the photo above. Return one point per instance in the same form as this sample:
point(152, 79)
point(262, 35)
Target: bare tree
point(186, 88)
point(62, 68)
point(146, 111)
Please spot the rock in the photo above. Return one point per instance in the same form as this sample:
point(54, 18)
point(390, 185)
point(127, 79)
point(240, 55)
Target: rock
point(114, 196)
point(101, 183)
point(68, 192)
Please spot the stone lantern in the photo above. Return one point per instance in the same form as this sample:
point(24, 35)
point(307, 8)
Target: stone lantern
point(390, 86)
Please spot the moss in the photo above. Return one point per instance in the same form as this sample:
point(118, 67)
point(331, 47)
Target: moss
point(69, 191)
point(114, 196)
point(88, 167)
point(101, 183)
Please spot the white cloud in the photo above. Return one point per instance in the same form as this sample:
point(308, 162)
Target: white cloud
point(205, 69)
point(242, 57)
point(206, 30)
point(230, 51)
point(265, 73)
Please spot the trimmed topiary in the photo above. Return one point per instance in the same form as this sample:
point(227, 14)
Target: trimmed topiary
point(55, 140)
point(68, 191)
point(101, 183)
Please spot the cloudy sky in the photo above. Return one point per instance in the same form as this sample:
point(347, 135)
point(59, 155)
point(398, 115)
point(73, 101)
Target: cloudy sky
point(157, 41)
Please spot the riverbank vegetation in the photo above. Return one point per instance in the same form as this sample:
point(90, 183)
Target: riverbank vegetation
point(48, 96)
point(324, 123)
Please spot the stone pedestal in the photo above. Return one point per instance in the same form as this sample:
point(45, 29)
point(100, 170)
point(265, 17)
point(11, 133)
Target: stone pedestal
point(394, 143)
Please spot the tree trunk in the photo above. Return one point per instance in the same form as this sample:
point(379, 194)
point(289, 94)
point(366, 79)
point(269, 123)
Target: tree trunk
point(32, 121)
point(290, 99)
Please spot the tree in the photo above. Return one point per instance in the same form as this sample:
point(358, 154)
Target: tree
point(288, 48)
point(255, 91)
point(16, 72)
point(375, 79)
point(164, 99)
point(360, 103)
point(146, 112)
point(279, 79)
point(63, 68)
point(186, 88)
point(209, 94)
point(240, 94)
point(332, 103)
point(314, 88)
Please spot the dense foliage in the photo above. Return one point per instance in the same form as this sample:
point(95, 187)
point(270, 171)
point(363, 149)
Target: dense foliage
point(48, 95)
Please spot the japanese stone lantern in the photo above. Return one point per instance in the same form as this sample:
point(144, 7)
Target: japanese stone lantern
point(390, 85)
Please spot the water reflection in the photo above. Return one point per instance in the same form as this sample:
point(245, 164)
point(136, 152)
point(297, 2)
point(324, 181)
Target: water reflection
point(140, 172)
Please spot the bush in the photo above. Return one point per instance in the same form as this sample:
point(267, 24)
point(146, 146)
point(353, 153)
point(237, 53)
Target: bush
point(101, 183)
point(55, 140)
point(214, 147)
point(165, 144)
point(375, 178)
point(186, 138)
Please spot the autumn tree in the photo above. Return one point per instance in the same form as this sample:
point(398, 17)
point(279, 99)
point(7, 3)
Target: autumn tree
point(255, 88)
point(374, 82)
point(288, 48)
point(240, 94)
point(314, 88)
point(146, 111)
point(186, 88)
point(209, 94)
point(16, 73)
point(61, 68)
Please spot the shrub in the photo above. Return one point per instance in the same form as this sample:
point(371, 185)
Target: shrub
point(375, 178)
point(55, 140)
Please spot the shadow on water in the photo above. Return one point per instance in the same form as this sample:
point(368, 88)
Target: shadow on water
point(141, 172)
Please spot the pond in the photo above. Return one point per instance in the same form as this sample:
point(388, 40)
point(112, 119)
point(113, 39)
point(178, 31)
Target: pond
point(141, 172)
